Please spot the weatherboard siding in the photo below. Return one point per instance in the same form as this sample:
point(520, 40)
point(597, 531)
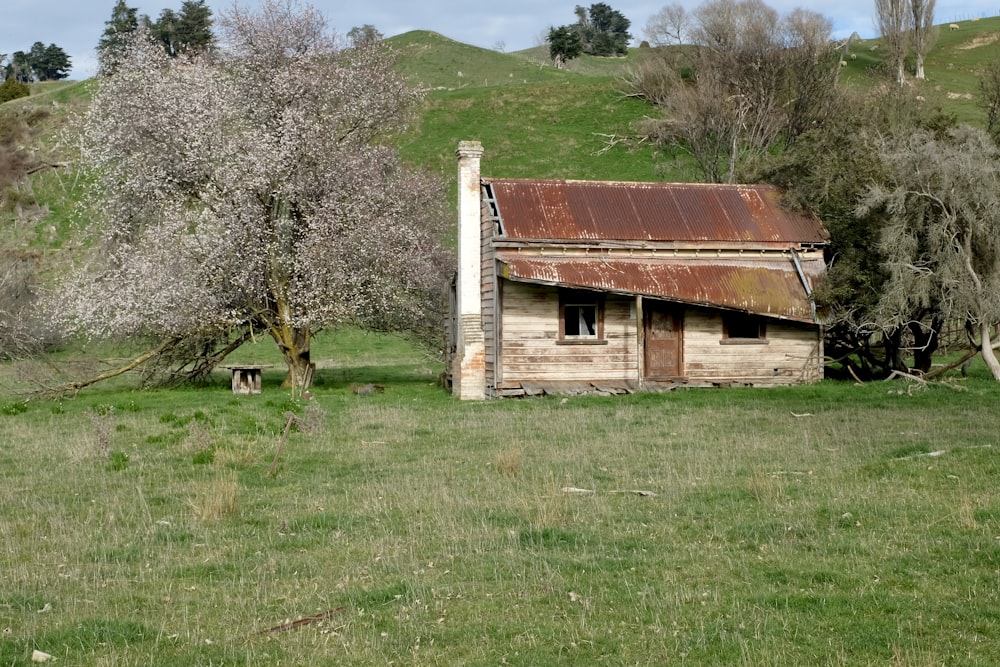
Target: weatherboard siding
point(790, 355)
point(530, 347)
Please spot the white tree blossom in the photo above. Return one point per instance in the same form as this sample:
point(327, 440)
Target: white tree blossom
point(255, 188)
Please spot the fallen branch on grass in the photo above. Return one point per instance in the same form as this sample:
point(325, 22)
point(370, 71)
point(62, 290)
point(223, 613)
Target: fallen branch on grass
point(75, 387)
point(291, 625)
point(634, 492)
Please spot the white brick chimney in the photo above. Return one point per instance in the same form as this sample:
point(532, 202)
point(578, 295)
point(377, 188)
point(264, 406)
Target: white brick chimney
point(469, 365)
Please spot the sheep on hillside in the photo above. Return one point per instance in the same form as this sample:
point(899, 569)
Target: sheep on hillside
point(953, 26)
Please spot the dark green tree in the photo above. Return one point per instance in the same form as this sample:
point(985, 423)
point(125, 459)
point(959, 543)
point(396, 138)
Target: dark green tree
point(605, 32)
point(48, 63)
point(598, 31)
point(188, 31)
point(165, 29)
point(564, 44)
point(194, 27)
point(118, 30)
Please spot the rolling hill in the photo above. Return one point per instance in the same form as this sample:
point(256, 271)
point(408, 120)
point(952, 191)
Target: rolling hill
point(533, 120)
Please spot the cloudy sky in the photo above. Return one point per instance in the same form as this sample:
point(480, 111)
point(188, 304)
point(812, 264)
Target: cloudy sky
point(511, 25)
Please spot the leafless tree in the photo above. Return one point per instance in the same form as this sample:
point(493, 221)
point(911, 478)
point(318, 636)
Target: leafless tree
point(254, 191)
point(923, 32)
point(812, 69)
point(754, 81)
point(895, 21)
point(669, 26)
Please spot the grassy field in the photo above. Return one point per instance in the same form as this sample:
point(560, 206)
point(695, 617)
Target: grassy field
point(831, 524)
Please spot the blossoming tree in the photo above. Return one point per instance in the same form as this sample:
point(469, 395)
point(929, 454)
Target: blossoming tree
point(254, 190)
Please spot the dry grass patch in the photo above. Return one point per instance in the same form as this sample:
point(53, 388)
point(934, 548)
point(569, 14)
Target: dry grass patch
point(217, 498)
point(508, 463)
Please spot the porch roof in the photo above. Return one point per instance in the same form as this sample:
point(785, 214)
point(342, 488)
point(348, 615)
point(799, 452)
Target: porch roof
point(768, 287)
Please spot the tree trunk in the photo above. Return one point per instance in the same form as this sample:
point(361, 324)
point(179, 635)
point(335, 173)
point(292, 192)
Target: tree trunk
point(894, 361)
point(920, 66)
point(294, 344)
point(986, 347)
point(925, 344)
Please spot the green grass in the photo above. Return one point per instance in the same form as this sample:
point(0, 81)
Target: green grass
point(149, 525)
point(143, 528)
point(537, 131)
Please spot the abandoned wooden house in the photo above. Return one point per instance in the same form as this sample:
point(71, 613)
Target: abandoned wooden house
point(611, 287)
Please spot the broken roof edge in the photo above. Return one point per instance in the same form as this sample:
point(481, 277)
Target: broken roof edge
point(784, 295)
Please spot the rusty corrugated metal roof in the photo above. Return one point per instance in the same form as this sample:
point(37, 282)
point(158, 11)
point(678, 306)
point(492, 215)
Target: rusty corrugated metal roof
point(770, 287)
point(655, 212)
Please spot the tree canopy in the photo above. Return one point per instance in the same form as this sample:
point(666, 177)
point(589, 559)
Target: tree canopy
point(41, 63)
point(255, 192)
point(564, 45)
point(188, 31)
point(599, 31)
point(941, 240)
point(118, 32)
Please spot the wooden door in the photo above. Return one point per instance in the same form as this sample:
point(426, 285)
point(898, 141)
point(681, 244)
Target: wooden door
point(663, 341)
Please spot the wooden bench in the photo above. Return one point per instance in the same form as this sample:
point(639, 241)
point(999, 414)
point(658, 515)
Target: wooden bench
point(247, 378)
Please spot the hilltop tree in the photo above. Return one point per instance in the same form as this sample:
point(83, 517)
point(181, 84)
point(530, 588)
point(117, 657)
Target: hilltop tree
point(164, 29)
point(118, 32)
point(668, 26)
point(364, 35)
point(895, 21)
point(923, 32)
point(48, 63)
point(603, 30)
point(598, 31)
point(19, 67)
point(194, 32)
point(255, 192)
point(41, 63)
point(189, 31)
point(564, 45)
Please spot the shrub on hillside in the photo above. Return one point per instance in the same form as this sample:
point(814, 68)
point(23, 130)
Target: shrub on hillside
point(11, 89)
point(23, 327)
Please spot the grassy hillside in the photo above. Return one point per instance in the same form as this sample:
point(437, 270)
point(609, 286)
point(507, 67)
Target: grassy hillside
point(431, 60)
point(533, 120)
point(555, 130)
point(952, 67)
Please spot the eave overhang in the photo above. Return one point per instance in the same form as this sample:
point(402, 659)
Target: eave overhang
point(770, 287)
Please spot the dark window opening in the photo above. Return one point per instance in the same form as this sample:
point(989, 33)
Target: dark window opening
point(743, 328)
